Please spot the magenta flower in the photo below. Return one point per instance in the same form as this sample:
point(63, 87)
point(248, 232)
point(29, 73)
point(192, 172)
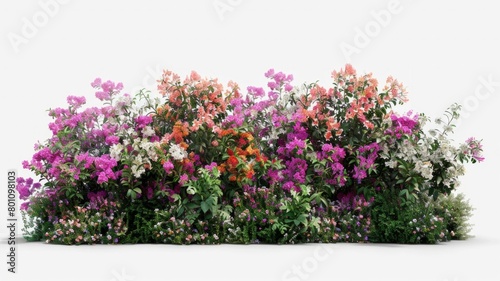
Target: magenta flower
point(143, 121)
point(272, 85)
point(24, 206)
point(102, 178)
point(475, 149)
point(269, 73)
point(168, 166)
point(256, 91)
point(149, 193)
point(183, 179)
point(110, 140)
point(76, 102)
point(23, 188)
point(97, 83)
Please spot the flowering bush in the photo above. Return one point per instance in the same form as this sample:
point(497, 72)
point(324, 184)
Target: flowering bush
point(204, 163)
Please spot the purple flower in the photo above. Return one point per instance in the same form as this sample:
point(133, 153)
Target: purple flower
point(97, 83)
point(76, 102)
point(102, 178)
point(143, 121)
point(149, 193)
point(24, 191)
point(273, 95)
point(24, 206)
point(296, 143)
point(402, 125)
point(475, 149)
point(110, 140)
point(289, 185)
point(272, 85)
point(327, 147)
point(359, 174)
point(270, 73)
point(256, 91)
point(168, 166)
point(183, 179)
point(210, 167)
point(101, 95)
point(279, 77)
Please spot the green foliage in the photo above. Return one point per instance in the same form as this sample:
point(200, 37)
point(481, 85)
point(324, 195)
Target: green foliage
point(457, 211)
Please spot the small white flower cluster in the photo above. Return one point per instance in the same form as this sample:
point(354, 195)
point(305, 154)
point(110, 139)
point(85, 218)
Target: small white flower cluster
point(424, 159)
point(122, 103)
point(115, 151)
point(147, 153)
point(148, 131)
point(177, 152)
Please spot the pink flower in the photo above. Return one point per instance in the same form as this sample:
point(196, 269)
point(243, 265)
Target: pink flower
point(168, 167)
point(270, 73)
point(75, 101)
point(97, 83)
point(24, 206)
point(110, 140)
point(143, 121)
point(183, 179)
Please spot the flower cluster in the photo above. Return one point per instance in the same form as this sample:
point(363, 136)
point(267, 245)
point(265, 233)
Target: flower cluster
point(204, 163)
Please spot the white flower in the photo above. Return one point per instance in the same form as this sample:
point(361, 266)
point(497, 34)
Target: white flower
point(424, 168)
point(150, 148)
point(391, 164)
point(177, 152)
point(147, 131)
point(115, 151)
point(138, 166)
point(138, 170)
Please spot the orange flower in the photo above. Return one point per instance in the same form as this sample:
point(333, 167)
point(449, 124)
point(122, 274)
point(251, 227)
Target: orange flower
point(159, 110)
point(247, 136)
point(250, 150)
point(232, 178)
point(250, 172)
point(179, 131)
point(232, 161)
point(222, 168)
point(328, 135)
point(241, 152)
point(224, 133)
point(260, 158)
point(184, 145)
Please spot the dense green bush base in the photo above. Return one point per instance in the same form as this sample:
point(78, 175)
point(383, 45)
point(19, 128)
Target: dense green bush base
point(426, 221)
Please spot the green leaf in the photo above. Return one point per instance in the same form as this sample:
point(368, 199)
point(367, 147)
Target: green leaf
point(204, 206)
point(131, 193)
point(302, 219)
point(180, 211)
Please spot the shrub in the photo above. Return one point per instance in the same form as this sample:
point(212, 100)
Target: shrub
point(207, 164)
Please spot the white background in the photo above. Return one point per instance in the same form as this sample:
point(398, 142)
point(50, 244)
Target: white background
point(442, 51)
